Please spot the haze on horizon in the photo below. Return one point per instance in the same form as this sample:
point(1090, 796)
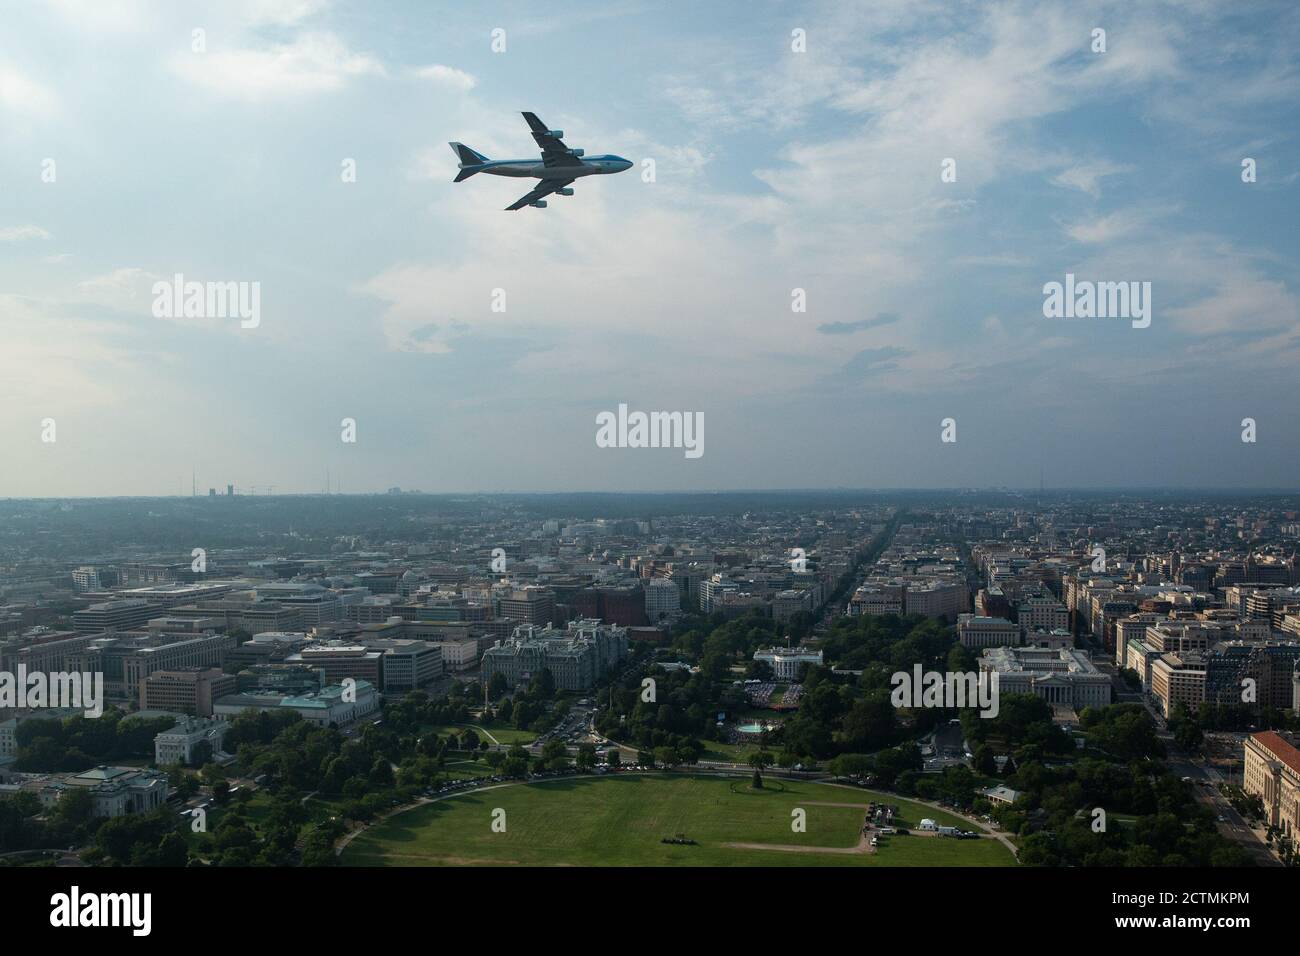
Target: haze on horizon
point(775, 171)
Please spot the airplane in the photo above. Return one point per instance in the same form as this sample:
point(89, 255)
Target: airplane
point(557, 169)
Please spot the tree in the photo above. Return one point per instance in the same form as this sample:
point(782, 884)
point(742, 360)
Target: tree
point(172, 851)
point(516, 762)
point(586, 757)
point(555, 754)
point(851, 765)
point(760, 760)
point(318, 850)
point(1188, 736)
point(76, 807)
point(201, 754)
point(542, 686)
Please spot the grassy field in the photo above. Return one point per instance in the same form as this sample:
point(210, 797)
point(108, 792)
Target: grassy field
point(720, 752)
point(620, 820)
point(457, 769)
point(503, 732)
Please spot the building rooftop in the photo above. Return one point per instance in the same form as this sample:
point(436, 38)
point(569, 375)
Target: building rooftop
point(1279, 747)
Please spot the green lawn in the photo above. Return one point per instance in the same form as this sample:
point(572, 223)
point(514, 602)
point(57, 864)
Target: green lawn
point(467, 769)
point(502, 731)
point(620, 820)
point(720, 752)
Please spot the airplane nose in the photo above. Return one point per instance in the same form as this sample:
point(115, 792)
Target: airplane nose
point(627, 164)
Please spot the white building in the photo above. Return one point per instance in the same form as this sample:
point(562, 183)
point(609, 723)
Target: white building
point(787, 661)
point(663, 600)
point(1065, 676)
point(86, 579)
point(178, 744)
point(114, 791)
point(712, 589)
point(461, 653)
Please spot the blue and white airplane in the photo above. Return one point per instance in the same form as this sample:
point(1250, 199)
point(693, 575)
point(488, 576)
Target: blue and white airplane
point(557, 169)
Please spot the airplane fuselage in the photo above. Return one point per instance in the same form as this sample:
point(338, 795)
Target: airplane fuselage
point(557, 168)
point(535, 168)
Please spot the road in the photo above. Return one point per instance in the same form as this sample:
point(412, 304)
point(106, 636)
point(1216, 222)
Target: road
point(1205, 784)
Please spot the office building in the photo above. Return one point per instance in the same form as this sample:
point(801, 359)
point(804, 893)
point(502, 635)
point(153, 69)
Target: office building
point(337, 705)
point(1065, 676)
point(663, 600)
point(529, 605)
point(188, 691)
point(575, 656)
point(114, 615)
point(1272, 772)
point(977, 632)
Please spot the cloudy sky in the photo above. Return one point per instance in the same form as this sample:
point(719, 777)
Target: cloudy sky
point(774, 170)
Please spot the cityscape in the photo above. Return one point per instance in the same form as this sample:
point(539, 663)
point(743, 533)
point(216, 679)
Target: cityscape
point(359, 520)
point(351, 680)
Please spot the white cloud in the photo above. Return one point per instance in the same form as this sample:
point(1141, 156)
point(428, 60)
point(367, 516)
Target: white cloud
point(57, 362)
point(1240, 302)
point(1086, 177)
point(311, 63)
point(22, 94)
point(282, 12)
point(127, 289)
point(1106, 228)
point(447, 76)
point(20, 233)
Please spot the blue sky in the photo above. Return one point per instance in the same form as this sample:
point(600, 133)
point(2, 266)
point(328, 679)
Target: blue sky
point(775, 170)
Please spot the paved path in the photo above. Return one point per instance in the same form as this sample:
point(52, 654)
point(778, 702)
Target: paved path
point(864, 844)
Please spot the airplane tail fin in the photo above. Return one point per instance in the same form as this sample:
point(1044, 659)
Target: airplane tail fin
point(470, 161)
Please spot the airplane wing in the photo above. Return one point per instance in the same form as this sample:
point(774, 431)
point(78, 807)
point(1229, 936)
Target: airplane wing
point(554, 152)
point(544, 189)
